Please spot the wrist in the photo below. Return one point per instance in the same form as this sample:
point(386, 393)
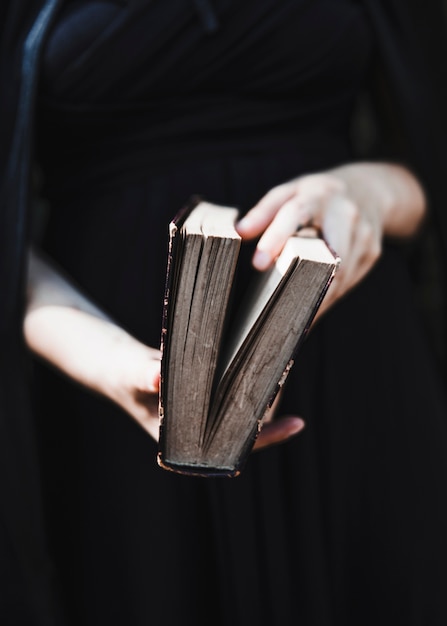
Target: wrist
point(391, 190)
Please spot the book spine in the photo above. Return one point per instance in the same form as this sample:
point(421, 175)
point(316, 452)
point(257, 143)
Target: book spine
point(164, 325)
point(174, 226)
point(197, 470)
point(317, 306)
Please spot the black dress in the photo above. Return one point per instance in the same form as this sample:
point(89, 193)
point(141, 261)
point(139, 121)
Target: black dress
point(141, 106)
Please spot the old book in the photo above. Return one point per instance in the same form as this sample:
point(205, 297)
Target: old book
point(218, 380)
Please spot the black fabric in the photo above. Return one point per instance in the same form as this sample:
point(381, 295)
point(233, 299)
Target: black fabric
point(344, 525)
point(425, 151)
point(28, 589)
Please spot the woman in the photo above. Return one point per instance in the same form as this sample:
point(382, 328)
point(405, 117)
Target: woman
point(333, 527)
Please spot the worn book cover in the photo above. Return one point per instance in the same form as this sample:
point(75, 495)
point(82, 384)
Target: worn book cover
point(218, 381)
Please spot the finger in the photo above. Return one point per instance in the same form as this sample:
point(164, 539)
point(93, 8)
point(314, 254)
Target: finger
point(338, 224)
point(366, 249)
point(144, 410)
point(153, 378)
point(152, 426)
point(260, 216)
point(359, 244)
point(278, 431)
point(294, 213)
point(144, 371)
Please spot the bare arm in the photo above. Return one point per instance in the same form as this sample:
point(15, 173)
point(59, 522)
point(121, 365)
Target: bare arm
point(63, 327)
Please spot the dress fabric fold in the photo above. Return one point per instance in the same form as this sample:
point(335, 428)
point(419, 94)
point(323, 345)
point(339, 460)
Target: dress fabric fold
point(140, 106)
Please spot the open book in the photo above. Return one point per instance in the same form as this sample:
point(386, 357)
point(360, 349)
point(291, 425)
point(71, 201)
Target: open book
point(219, 380)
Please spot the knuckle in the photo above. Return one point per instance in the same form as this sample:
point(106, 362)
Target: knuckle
point(272, 193)
point(370, 242)
point(366, 235)
point(352, 211)
point(306, 208)
point(331, 183)
point(295, 211)
point(302, 202)
point(278, 191)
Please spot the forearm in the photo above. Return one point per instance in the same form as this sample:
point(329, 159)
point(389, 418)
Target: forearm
point(59, 324)
point(399, 194)
point(66, 329)
point(48, 287)
point(80, 344)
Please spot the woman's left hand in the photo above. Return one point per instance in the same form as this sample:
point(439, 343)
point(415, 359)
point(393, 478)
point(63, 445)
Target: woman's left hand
point(353, 205)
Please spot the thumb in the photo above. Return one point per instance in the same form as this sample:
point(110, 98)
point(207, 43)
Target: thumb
point(153, 377)
point(144, 371)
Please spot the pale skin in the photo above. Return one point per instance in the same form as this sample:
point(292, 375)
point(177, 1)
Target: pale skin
point(64, 328)
point(354, 205)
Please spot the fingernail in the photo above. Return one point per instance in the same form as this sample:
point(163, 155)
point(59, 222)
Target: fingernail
point(261, 260)
point(298, 426)
point(244, 224)
point(295, 425)
point(153, 382)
